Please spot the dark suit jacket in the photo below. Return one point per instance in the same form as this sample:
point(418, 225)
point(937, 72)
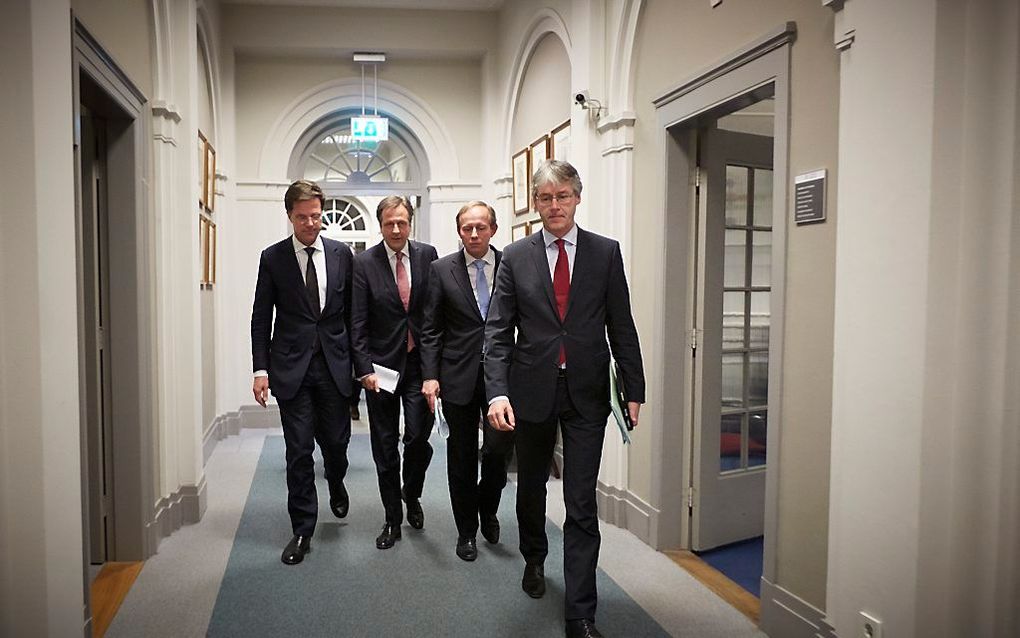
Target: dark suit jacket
point(281, 285)
point(379, 322)
point(452, 336)
point(525, 370)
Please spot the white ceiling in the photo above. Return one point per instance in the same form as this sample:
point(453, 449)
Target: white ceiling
point(442, 5)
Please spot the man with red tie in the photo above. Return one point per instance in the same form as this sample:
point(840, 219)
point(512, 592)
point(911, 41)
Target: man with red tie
point(562, 291)
point(390, 281)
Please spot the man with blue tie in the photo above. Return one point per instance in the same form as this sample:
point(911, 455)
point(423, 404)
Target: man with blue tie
point(451, 353)
point(306, 359)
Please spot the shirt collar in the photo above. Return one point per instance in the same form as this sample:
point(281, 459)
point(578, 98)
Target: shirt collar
point(300, 248)
point(489, 257)
point(391, 254)
point(570, 237)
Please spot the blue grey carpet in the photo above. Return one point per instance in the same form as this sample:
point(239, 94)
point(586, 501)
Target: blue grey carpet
point(347, 587)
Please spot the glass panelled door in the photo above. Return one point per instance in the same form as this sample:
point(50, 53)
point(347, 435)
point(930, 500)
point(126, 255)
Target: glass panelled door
point(732, 320)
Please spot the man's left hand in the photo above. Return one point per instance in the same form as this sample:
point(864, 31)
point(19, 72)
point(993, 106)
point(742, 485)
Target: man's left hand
point(633, 407)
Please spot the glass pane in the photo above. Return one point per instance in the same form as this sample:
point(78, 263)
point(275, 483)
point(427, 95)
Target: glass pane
point(729, 441)
point(733, 320)
point(736, 196)
point(761, 258)
point(734, 260)
point(762, 213)
point(733, 380)
point(759, 320)
point(756, 438)
point(758, 378)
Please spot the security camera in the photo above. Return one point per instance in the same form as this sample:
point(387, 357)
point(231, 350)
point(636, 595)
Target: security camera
point(581, 97)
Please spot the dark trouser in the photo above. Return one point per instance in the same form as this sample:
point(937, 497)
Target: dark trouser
point(318, 412)
point(582, 455)
point(384, 427)
point(469, 496)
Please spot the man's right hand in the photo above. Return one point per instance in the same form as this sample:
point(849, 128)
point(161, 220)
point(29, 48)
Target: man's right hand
point(430, 388)
point(501, 415)
point(370, 382)
point(260, 388)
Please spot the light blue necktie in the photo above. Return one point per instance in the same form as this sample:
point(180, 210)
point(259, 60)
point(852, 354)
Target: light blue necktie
point(482, 287)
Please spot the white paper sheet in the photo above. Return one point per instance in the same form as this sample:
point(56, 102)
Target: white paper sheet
point(441, 425)
point(387, 378)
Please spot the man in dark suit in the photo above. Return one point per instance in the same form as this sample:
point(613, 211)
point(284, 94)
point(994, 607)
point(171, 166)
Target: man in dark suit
point(451, 354)
point(563, 290)
point(390, 281)
point(305, 359)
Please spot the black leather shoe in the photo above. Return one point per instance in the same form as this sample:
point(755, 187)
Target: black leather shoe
point(415, 515)
point(533, 582)
point(390, 535)
point(467, 549)
point(296, 549)
point(339, 500)
point(490, 528)
point(582, 629)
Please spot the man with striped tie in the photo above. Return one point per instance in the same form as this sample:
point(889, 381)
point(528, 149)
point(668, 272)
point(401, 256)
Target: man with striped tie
point(451, 354)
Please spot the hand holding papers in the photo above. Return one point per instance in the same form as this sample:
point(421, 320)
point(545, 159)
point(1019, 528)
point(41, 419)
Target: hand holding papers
point(618, 402)
point(387, 378)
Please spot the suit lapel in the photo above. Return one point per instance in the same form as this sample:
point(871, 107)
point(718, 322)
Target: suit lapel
point(292, 266)
point(582, 263)
point(458, 269)
point(383, 264)
point(542, 266)
point(332, 272)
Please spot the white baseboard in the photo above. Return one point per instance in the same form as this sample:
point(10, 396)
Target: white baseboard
point(784, 615)
point(184, 506)
point(625, 510)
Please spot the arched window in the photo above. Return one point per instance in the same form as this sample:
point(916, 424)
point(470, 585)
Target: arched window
point(344, 220)
point(338, 158)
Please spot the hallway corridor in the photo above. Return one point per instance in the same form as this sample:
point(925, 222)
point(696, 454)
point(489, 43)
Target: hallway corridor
point(176, 593)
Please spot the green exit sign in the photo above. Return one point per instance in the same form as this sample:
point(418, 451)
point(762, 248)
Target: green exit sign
point(370, 129)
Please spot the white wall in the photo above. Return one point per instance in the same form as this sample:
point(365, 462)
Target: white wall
point(924, 452)
point(41, 577)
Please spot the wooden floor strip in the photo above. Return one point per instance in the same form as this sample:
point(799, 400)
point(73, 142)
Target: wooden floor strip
point(744, 601)
point(108, 591)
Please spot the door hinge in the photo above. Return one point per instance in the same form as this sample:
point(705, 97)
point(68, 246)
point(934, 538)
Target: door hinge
point(690, 498)
point(697, 177)
point(100, 338)
point(693, 339)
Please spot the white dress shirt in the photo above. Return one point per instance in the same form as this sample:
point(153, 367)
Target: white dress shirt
point(472, 271)
point(392, 255)
point(552, 252)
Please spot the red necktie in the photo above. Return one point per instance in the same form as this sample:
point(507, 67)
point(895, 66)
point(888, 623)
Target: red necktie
point(404, 288)
point(561, 287)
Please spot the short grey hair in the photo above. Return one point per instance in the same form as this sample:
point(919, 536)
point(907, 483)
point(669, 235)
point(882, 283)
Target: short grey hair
point(555, 172)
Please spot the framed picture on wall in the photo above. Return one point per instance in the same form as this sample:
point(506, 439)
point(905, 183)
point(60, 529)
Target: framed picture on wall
point(521, 180)
point(521, 230)
point(539, 152)
point(207, 250)
point(202, 172)
point(210, 177)
point(561, 142)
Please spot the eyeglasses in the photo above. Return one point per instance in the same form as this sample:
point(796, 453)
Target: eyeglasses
point(561, 198)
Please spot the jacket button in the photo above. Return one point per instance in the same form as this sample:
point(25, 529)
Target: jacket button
point(563, 333)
